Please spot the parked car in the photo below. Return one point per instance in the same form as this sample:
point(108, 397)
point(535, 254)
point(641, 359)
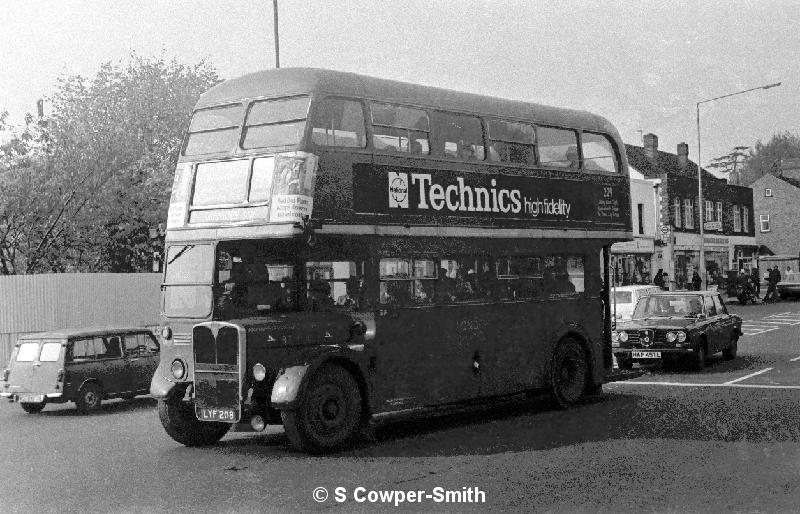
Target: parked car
point(623, 299)
point(669, 326)
point(85, 366)
point(789, 286)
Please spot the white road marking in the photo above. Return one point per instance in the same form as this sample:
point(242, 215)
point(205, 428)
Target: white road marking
point(681, 384)
point(748, 376)
point(795, 359)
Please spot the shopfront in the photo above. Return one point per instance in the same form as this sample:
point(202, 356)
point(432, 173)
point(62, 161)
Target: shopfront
point(631, 262)
point(687, 259)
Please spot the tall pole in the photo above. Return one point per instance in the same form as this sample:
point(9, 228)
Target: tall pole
point(700, 178)
point(277, 46)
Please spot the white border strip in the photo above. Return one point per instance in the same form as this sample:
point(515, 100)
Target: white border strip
point(748, 376)
point(681, 384)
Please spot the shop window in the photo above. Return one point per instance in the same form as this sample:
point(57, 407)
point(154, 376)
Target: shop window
point(764, 220)
point(458, 136)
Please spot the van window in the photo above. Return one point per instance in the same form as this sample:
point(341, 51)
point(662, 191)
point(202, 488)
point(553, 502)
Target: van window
point(107, 348)
point(27, 352)
point(81, 349)
point(50, 352)
point(140, 345)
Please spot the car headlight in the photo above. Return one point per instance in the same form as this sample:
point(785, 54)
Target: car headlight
point(178, 369)
point(623, 337)
point(259, 372)
point(681, 336)
point(671, 337)
point(614, 336)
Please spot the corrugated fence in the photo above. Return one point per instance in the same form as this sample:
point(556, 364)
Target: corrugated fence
point(35, 303)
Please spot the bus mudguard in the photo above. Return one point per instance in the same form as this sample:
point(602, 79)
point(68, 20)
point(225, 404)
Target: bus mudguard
point(292, 380)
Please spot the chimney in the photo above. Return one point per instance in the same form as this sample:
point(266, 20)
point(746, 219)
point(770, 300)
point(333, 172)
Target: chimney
point(650, 146)
point(683, 155)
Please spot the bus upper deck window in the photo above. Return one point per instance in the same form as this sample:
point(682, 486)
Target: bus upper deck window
point(511, 142)
point(338, 122)
point(275, 123)
point(558, 148)
point(458, 136)
point(598, 153)
point(213, 130)
point(400, 129)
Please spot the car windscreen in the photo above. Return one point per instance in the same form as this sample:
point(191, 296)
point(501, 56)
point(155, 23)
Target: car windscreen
point(668, 306)
point(27, 351)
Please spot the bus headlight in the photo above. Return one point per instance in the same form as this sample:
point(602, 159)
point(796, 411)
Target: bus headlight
point(623, 337)
point(259, 372)
point(671, 337)
point(178, 369)
point(681, 336)
point(166, 333)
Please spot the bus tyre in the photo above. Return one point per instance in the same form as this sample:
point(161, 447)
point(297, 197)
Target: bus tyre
point(32, 408)
point(569, 374)
point(89, 398)
point(178, 419)
point(729, 353)
point(328, 415)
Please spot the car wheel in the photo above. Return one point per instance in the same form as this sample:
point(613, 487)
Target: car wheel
point(179, 421)
point(89, 398)
point(32, 408)
point(328, 415)
point(729, 353)
point(701, 357)
point(569, 375)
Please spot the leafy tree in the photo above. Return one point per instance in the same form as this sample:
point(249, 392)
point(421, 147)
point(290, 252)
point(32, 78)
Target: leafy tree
point(730, 163)
point(96, 173)
point(766, 157)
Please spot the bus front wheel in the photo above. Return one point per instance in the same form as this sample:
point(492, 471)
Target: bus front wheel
point(569, 374)
point(179, 421)
point(328, 415)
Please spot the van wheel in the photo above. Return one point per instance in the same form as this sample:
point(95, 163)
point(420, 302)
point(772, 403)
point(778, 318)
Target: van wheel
point(32, 408)
point(178, 419)
point(569, 375)
point(328, 415)
point(89, 398)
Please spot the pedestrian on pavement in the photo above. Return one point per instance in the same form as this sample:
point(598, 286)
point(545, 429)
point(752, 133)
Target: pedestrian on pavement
point(696, 281)
point(659, 278)
point(772, 285)
point(756, 281)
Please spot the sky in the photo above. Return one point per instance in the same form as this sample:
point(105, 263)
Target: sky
point(643, 65)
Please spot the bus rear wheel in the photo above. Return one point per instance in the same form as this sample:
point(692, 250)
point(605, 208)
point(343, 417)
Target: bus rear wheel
point(328, 415)
point(178, 419)
point(569, 375)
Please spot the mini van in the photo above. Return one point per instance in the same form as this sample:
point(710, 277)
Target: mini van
point(84, 366)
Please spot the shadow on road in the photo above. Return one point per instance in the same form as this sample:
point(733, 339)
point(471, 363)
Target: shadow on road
point(108, 407)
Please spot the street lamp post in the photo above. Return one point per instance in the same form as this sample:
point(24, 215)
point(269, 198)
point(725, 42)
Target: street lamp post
point(700, 179)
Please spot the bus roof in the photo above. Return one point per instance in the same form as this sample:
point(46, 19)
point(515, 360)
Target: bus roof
point(293, 81)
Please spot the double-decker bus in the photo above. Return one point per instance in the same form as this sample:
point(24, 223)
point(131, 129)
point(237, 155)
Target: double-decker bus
point(341, 246)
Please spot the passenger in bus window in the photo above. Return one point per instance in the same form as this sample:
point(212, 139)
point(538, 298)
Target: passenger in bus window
point(319, 293)
point(573, 158)
point(465, 150)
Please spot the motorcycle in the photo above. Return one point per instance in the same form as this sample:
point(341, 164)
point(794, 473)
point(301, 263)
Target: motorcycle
point(746, 295)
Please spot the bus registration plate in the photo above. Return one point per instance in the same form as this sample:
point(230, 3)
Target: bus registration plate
point(217, 414)
point(646, 355)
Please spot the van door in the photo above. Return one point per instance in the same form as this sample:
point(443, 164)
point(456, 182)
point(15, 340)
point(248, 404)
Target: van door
point(21, 378)
point(44, 377)
point(142, 359)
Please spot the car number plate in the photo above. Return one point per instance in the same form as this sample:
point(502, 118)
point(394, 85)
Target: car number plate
point(646, 355)
point(217, 414)
point(31, 398)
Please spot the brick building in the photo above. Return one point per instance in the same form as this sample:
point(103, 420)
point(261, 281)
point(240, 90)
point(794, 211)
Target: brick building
point(729, 232)
point(776, 205)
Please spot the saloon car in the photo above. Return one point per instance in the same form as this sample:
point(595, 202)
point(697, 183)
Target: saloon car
point(672, 326)
point(85, 366)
